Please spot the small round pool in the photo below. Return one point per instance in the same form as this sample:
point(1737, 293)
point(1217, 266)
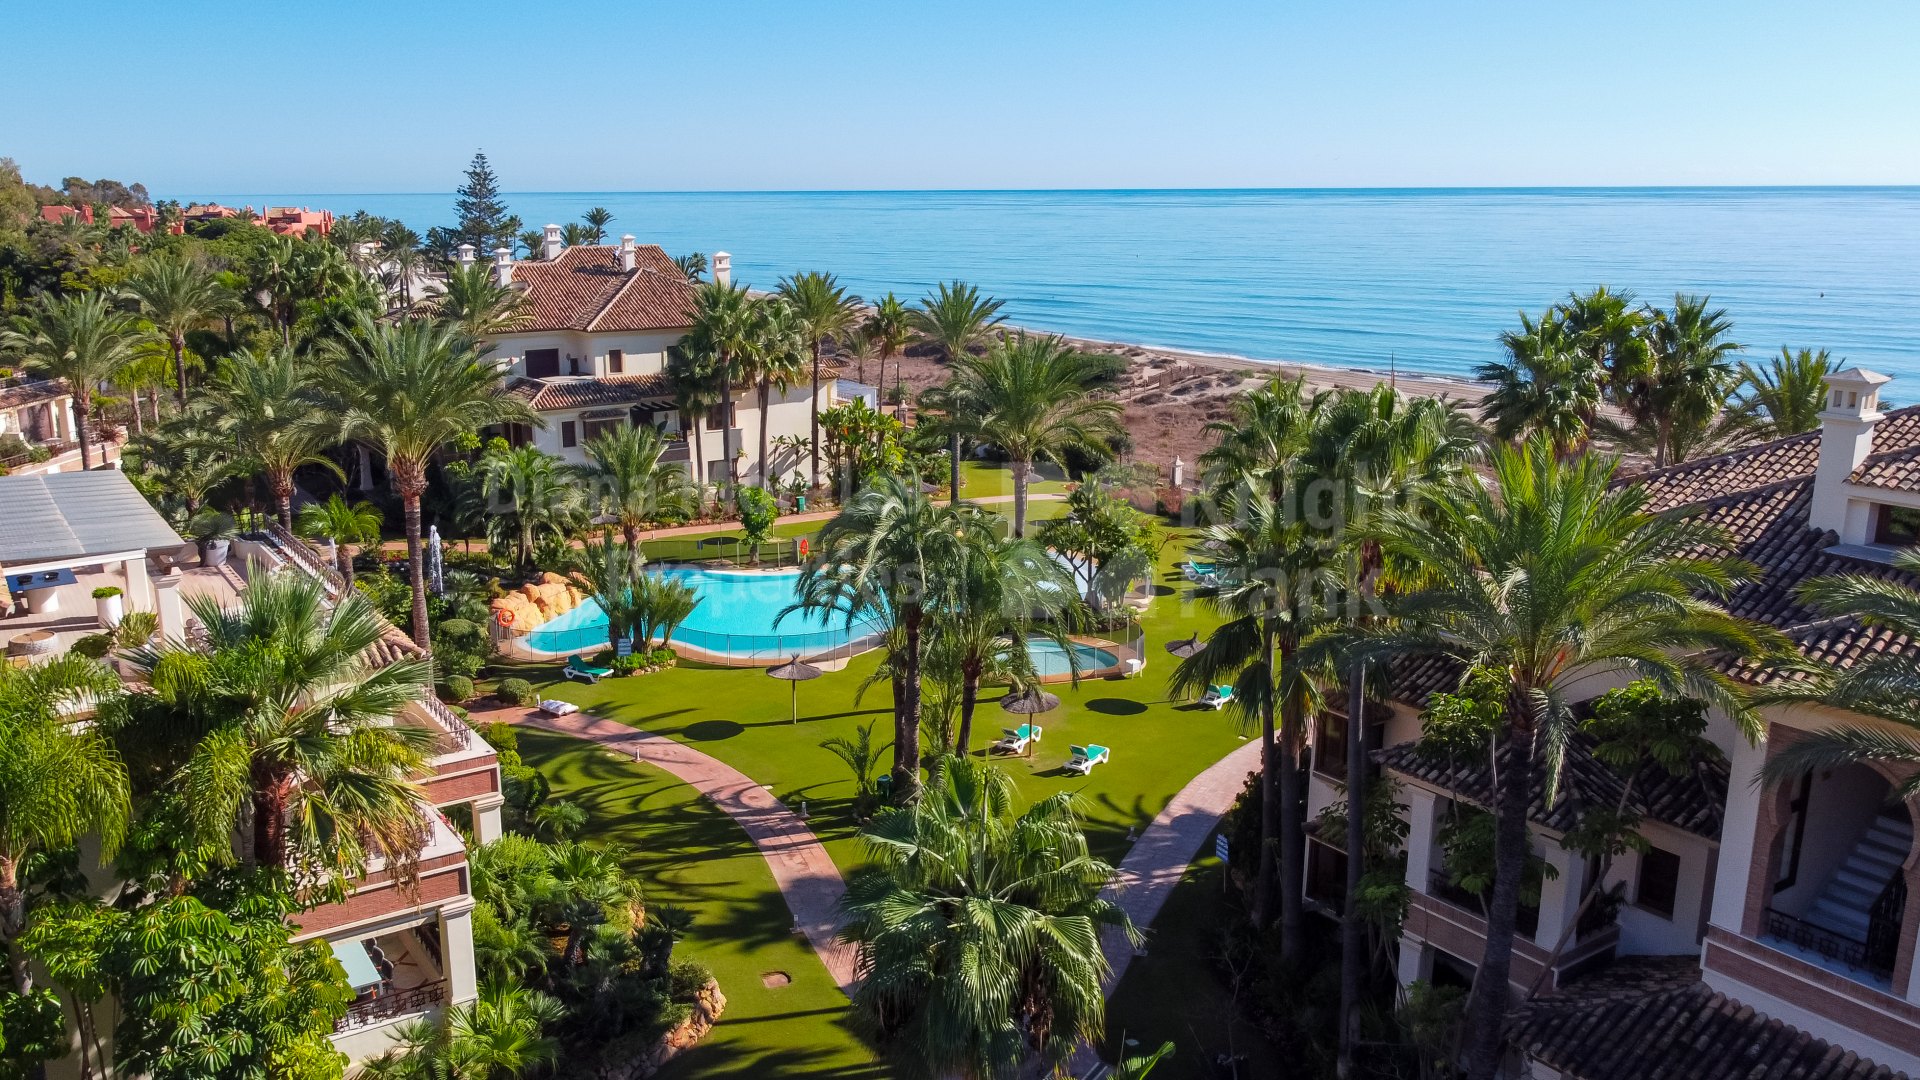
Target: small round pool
point(1049, 660)
point(735, 618)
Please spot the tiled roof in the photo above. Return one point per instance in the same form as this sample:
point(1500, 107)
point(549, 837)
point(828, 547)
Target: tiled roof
point(1899, 469)
point(1691, 801)
point(1650, 1018)
point(546, 395)
point(1753, 467)
point(26, 393)
point(585, 289)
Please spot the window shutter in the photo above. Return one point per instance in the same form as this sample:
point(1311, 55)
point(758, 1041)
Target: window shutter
point(616, 361)
point(567, 433)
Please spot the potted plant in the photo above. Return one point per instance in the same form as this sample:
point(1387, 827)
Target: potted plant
point(109, 604)
point(213, 532)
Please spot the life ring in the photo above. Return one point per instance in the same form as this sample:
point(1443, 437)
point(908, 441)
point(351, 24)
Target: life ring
point(504, 617)
point(803, 547)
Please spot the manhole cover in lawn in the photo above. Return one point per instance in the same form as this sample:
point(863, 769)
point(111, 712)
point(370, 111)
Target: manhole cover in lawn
point(774, 980)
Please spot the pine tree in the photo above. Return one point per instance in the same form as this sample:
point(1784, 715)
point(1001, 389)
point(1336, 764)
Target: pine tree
point(484, 221)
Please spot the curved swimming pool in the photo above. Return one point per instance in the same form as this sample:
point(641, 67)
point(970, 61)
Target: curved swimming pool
point(735, 618)
point(1050, 660)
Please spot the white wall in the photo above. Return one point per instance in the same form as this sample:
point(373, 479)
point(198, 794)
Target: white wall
point(1644, 932)
point(645, 353)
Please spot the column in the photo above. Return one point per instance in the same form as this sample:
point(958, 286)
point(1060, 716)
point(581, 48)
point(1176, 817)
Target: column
point(139, 592)
point(166, 601)
point(1744, 845)
point(456, 951)
point(1560, 896)
point(1423, 831)
point(486, 818)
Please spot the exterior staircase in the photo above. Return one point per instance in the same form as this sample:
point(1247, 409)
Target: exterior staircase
point(1845, 906)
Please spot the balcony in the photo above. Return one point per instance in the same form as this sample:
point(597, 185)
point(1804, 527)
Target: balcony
point(1440, 885)
point(372, 1009)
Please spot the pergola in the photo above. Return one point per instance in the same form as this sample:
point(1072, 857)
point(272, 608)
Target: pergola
point(54, 524)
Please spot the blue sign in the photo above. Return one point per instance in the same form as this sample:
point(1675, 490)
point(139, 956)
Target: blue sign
point(1220, 848)
point(623, 647)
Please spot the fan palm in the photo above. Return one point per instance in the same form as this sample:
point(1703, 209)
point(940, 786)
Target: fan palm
point(177, 294)
point(283, 721)
point(823, 309)
point(477, 305)
point(407, 390)
point(1677, 389)
point(533, 495)
point(696, 388)
point(79, 338)
point(1782, 399)
point(773, 361)
point(269, 406)
point(345, 524)
point(59, 781)
point(629, 483)
point(884, 558)
point(955, 318)
point(613, 575)
point(723, 328)
point(1604, 327)
point(858, 345)
point(890, 328)
point(406, 261)
point(1544, 574)
point(1548, 383)
point(1032, 398)
point(978, 930)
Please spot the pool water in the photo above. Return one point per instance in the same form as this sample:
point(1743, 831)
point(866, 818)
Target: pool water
point(1050, 659)
point(735, 617)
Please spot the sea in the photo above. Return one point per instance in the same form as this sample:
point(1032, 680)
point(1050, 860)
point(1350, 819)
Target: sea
point(1408, 280)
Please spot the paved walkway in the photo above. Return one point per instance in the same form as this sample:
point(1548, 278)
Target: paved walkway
point(805, 875)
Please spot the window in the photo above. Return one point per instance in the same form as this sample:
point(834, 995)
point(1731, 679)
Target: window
point(1898, 526)
point(616, 361)
point(573, 365)
point(1659, 881)
point(593, 429)
point(1330, 745)
point(718, 418)
point(569, 435)
point(1326, 875)
point(1788, 841)
point(543, 363)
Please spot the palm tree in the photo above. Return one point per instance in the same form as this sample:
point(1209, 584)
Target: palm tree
point(629, 483)
point(978, 930)
point(613, 574)
point(1032, 398)
point(533, 493)
point(858, 345)
point(1548, 383)
point(177, 294)
point(890, 328)
point(885, 558)
point(78, 338)
point(269, 406)
point(597, 219)
point(661, 604)
point(823, 309)
point(723, 328)
point(692, 370)
point(861, 756)
point(1542, 575)
point(345, 524)
point(407, 390)
point(406, 261)
point(1604, 327)
point(284, 721)
point(477, 305)
point(1682, 380)
point(955, 317)
point(1784, 398)
point(59, 781)
point(774, 360)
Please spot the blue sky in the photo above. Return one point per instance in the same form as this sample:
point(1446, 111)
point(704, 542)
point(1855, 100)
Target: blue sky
point(355, 96)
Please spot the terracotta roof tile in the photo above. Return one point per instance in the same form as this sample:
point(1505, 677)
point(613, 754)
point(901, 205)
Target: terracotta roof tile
point(545, 395)
point(26, 393)
point(585, 289)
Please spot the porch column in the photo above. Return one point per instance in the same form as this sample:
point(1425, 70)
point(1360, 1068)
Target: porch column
point(486, 818)
point(1423, 832)
point(456, 949)
point(1560, 895)
point(1743, 880)
point(166, 603)
point(139, 593)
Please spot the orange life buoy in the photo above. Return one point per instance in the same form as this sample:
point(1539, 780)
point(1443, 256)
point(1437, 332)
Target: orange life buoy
point(504, 617)
point(803, 547)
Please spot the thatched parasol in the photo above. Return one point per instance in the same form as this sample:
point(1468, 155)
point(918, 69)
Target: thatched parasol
point(795, 672)
point(1180, 650)
point(1030, 702)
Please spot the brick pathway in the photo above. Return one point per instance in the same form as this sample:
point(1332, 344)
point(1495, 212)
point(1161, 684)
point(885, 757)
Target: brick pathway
point(807, 878)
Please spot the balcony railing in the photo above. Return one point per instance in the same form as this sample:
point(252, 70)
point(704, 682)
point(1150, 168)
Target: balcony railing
point(1825, 943)
point(1441, 886)
point(458, 734)
point(392, 1004)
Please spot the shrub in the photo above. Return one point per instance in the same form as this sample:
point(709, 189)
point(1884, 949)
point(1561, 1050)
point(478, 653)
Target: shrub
point(501, 736)
point(461, 647)
point(517, 692)
point(686, 978)
point(456, 689)
point(94, 646)
point(105, 591)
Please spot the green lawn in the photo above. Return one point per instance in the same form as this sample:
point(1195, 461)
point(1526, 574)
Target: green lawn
point(985, 479)
point(690, 854)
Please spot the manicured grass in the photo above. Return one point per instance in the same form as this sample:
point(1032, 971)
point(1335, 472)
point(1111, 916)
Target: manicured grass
point(985, 479)
point(690, 854)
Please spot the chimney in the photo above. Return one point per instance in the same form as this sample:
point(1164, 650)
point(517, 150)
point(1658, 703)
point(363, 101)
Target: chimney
point(466, 256)
point(503, 266)
point(1846, 438)
point(550, 247)
point(627, 255)
point(722, 268)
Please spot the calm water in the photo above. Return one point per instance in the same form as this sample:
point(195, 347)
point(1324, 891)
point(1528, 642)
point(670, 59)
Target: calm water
point(1422, 279)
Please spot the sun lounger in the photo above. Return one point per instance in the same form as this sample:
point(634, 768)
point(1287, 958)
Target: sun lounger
point(1086, 757)
point(1015, 740)
point(556, 707)
point(1217, 696)
point(1197, 571)
point(578, 668)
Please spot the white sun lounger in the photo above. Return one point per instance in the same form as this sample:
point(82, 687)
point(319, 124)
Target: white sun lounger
point(1015, 740)
point(1086, 757)
point(556, 707)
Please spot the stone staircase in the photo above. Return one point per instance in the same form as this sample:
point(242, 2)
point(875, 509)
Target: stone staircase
point(1844, 905)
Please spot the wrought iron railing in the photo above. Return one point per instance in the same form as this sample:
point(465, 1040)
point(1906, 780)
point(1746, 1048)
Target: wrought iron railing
point(391, 1004)
point(1827, 944)
point(458, 732)
point(1883, 924)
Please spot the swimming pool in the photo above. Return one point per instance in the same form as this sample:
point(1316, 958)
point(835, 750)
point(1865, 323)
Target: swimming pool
point(1050, 660)
point(735, 618)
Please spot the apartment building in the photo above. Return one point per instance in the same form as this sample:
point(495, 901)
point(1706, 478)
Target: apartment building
point(1764, 925)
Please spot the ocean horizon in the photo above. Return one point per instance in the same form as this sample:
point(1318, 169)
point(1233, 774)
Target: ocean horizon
point(1417, 279)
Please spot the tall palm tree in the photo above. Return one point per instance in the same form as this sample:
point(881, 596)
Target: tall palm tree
point(858, 344)
point(1604, 327)
point(1783, 398)
point(345, 524)
point(630, 485)
point(773, 361)
point(78, 338)
point(533, 494)
point(1541, 575)
point(612, 574)
point(694, 373)
point(824, 309)
point(407, 390)
point(955, 318)
point(1681, 383)
point(270, 407)
point(596, 219)
point(284, 723)
point(978, 930)
point(1032, 397)
point(723, 327)
point(405, 259)
point(890, 328)
point(885, 558)
point(1548, 383)
point(59, 781)
point(477, 305)
point(177, 294)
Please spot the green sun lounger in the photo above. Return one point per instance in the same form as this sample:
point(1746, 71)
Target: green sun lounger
point(1086, 757)
point(1015, 740)
point(1217, 696)
point(578, 668)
